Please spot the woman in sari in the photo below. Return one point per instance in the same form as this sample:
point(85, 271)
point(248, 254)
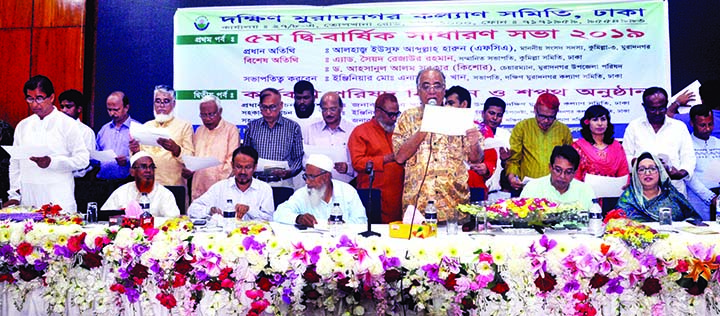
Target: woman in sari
point(650, 190)
point(600, 153)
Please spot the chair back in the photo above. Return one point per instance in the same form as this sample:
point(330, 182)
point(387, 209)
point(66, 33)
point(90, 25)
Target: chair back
point(281, 194)
point(375, 211)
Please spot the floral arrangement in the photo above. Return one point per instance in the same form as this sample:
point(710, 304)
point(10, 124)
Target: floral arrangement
point(48, 213)
point(633, 233)
point(534, 211)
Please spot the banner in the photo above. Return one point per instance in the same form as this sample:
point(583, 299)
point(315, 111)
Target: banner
point(586, 53)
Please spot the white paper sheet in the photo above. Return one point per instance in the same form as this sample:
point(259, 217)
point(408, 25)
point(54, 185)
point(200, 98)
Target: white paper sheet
point(103, 156)
point(336, 154)
point(606, 186)
point(25, 152)
point(147, 135)
point(527, 179)
point(271, 164)
point(447, 120)
point(495, 143)
point(694, 88)
point(198, 163)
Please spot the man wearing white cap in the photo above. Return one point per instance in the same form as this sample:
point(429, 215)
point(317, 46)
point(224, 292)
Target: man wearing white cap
point(142, 169)
point(311, 204)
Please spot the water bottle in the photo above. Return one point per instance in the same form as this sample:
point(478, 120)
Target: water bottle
point(335, 222)
point(146, 218)
point(431, 217)
point(595, 225)
point(229, 216)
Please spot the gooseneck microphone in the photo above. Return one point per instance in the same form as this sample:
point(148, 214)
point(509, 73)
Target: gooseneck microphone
point(369, 169)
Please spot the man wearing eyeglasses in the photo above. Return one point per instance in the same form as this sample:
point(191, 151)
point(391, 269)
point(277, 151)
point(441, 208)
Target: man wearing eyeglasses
point(276, 138)
point(331, 134)
point(311, 204)
point(72, 103)
point(142, 169)
point(215, 138)
point(663, 136)
point(46, 176)
point(434, 163)
point(167, 155)
point(531, 141)
point(372, 141)
point(115, 136)
point(559, 186)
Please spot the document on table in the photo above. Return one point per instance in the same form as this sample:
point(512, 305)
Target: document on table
point(694, 88)
point(198, 163)
point(147, 135)
point(606, 186)
point(447, 120)
point(336, 153)
point(25, 152)
point(103, 156)
point(267, 164)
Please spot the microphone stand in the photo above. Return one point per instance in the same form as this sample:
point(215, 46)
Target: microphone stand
point(368, 209)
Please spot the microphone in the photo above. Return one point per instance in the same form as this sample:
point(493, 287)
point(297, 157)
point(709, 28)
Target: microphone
point(369, 166)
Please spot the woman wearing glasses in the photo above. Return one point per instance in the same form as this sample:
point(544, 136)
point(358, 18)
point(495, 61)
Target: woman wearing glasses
point(650, 190)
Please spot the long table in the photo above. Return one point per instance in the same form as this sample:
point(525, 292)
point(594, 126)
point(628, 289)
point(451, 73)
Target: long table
point(74, 270)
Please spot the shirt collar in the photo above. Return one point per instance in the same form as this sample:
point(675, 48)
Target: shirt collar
point(232, 184)
point(126, 123)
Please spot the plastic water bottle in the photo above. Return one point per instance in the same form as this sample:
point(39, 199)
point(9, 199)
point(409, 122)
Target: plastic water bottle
point(229, 216)
point(595, 225)
point(146, 218)
point(431, 217)
point(335, 222)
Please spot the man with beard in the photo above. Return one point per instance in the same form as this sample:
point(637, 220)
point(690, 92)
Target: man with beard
point(312, 203)
point(372, 141)
point(662, 136)
point(252, 198)
point(162, 201)
point(304, 106)
point(115, 136)
point(167, 157)
point(332, 133)
point(560, 185)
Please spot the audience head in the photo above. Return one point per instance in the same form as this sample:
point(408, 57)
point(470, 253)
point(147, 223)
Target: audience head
point(164, 103)
point(210, 111)
point(270, 105)
point(304, 94)
point(39, 95)
point(546, 109)
point(702, 121)
point(596, 121)
point(564, 161)
point(493, 111)
point(244, 162)
point(118, 105)
point(387, 111)
point(142, 168)
point(655, 102)
point(458, 97)
point(430, 86)
point(710, 94)
point(331, 106)
point(72, 102)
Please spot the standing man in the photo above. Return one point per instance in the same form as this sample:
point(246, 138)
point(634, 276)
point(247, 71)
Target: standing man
point(332, 133)
point(709, 96)
point(532, 141)
point(493, 111)
point(45, 179)
point(167, 156)
point(434, 163)
point(72, 103)
point(707, 150)
point(663, 136)
point(115, 136)
point(276, 138)
point(251, 198)
point(215, 138)
point(372, 141)
point(304, 95)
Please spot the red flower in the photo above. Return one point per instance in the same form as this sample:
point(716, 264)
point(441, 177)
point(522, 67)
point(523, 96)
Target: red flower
point(264, 284)
point(183, 266)
point(166, 299)
point(312, 294)
point(224, 273)
point(392, 275)
point(585, 309)
point(227, 283)
point(500, 288)
point(342, 285)
point(214, 286)
point(450, 282)
point(139, 271)
point(468, 303)
point(311, 276)
point(616, 213)
point(7, 277)
point(24, 249)
point(682, 266)
point(651, 286)
point(598, 280)
point(547, 283)
point(254, 294)
point(179, 280)
point(75, 242)
point(91, 260)
point(117, 288)
point(259, 306)
point(28, 273)
point(580, 296)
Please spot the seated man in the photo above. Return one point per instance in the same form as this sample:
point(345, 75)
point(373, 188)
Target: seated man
point(252, 198)
point(560, 185)
point(312, 203)
point(142, 169)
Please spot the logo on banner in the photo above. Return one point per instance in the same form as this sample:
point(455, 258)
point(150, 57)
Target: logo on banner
point(201, 23)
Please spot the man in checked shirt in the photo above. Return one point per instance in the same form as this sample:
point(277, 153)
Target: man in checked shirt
point(276, 138)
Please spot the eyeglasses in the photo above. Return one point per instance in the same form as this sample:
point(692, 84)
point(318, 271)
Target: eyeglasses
point(427, 87)
point(270, 108)
point(567, 172)
point(648, 170)
point(145, 167)
point(332, 109)
point(306, 176)
point(546, 117)
point(389, 114)
point(163, 101)
point(209, 115)
point(67, 105)
point(38, 99)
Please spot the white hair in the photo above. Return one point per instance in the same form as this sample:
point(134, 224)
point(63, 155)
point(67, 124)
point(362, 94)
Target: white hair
point(213, 98)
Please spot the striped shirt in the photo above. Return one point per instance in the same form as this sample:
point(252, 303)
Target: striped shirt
point(282, 142)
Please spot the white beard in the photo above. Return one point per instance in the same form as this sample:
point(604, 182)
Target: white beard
point(316, 195)
point(387, 128)
point(162, 118)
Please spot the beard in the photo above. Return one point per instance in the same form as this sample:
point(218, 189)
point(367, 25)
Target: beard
point(162, 118)
point(316, 195)
point(387, 127)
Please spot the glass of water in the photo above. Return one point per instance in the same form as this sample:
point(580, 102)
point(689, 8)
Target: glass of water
point(665, 216)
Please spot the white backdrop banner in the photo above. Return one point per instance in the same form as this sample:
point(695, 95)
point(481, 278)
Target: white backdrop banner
point(586, 53)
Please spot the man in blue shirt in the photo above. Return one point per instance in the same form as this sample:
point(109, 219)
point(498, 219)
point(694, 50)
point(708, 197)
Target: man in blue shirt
point(115, 136)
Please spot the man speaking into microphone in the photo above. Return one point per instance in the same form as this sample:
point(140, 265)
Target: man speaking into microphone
point(434, 168)
point(371, 149)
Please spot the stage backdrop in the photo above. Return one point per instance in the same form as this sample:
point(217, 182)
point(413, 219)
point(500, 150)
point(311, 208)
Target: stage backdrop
point(585, 53)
